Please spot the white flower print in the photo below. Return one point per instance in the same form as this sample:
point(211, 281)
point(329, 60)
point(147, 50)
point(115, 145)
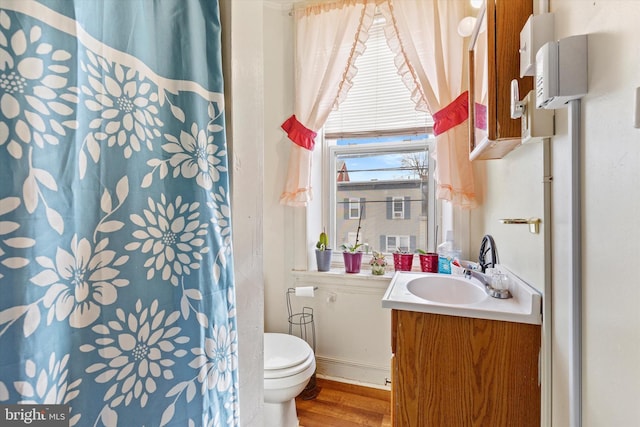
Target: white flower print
point(49, 385)
point(195, 155)
point(80, 282)
point(8, 258)
point(221, 221)
point(218, 360)
point(233, 408)
point(34, 98)
point(138, 350)
point(128, 107)
point(173, 236)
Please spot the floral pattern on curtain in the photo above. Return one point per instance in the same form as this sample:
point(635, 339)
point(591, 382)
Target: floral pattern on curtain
point(116, 272)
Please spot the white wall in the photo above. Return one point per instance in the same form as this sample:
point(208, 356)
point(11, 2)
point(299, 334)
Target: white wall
point(281, 224)
point(353, 331)
point(512, 187)
point(611, 224)
point(242, 56)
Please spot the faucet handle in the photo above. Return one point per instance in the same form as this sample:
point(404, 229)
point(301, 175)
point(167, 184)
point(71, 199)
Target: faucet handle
point(499, 285)
point(500, 281)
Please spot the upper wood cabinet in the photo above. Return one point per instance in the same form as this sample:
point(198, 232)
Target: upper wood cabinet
point(493, 62)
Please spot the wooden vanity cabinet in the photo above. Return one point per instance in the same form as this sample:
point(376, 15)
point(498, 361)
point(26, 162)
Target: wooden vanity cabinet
point(494, 60)
point(458, 371)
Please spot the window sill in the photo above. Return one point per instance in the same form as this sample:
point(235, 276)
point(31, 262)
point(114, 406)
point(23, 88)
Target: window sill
point(337, 276)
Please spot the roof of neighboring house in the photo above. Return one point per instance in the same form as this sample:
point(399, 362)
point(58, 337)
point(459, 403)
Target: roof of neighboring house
point(379, 185)
point(343, 173)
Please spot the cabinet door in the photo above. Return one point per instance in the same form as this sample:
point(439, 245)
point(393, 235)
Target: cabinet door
point(458, 371)
point(494, 61)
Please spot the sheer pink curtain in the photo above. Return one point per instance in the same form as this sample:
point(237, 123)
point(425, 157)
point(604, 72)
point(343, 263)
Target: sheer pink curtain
point(431, 57)
point(329, 37)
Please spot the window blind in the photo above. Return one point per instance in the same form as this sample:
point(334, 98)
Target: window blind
point(378, 103)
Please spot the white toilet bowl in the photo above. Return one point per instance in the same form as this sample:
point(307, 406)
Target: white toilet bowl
point(289, 363)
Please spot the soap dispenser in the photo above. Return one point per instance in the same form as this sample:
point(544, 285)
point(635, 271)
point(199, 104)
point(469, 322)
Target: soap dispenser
point(447, 252)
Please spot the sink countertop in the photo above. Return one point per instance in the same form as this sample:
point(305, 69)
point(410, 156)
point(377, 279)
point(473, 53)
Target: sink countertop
point(524, 307)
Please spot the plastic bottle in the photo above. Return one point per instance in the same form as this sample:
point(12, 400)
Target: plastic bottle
point(447, 252)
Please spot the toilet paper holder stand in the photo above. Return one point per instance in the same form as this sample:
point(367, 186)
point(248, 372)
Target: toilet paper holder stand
point(301, 322)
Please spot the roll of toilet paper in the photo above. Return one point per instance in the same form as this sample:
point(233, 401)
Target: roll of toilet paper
point(305, 291)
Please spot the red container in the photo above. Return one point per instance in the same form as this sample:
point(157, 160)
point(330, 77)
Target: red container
point(402, 262)
point(429, 262)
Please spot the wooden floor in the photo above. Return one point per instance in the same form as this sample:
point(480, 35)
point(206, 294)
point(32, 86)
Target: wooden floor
point(345, 405)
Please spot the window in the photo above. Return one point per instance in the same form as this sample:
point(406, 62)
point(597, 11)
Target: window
point(387, 191)
point(354, 208)
point(378, 152)
point(398, 207)
point(397, 243)
point(351, 239)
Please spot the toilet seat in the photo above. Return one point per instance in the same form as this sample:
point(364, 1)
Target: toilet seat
point(285, 355)
point(290, 371)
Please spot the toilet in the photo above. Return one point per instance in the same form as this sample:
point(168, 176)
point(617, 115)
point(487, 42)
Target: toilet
point(289, 363)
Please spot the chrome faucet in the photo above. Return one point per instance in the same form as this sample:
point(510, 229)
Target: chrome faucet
point(488, 259)
point(488, 286)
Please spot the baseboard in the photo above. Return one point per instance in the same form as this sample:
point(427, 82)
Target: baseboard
point(358, 383)
point(353, 372)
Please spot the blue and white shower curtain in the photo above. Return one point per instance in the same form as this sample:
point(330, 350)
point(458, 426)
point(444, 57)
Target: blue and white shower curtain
point(116, 283)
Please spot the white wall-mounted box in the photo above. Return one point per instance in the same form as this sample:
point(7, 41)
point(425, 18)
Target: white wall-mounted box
point(561, 72)
point(537, 123)
point(538, 30)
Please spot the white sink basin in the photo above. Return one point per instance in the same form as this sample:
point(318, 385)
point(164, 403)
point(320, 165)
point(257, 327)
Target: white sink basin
point(460, 296)
point(447, 289)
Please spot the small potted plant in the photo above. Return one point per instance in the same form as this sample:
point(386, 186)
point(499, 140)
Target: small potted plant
point(323, 252)
point(428, 261)
point(378, 263)
point(402, 260)
point(351, 255)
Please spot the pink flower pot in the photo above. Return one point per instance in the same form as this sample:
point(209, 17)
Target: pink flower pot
point(352, 261)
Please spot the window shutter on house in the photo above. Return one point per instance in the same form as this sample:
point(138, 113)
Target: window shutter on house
point(347, 208)
point(389, 207)
point(362, 207)
point(407, 207)
point(412, 244)
point(383, 243)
